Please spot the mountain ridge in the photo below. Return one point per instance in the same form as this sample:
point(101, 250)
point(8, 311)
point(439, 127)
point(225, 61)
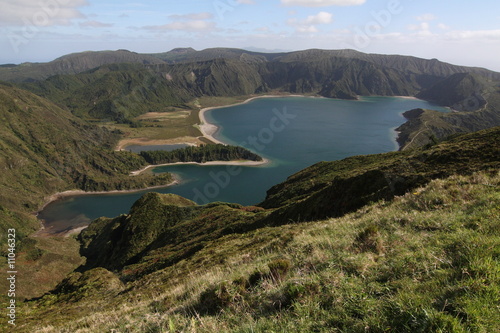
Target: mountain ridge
point(75, 63)
point(121, 92)
point(406, 240)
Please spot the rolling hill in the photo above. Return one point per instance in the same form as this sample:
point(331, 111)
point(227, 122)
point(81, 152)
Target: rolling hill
point(405, 241)
point(121, 91)
point(45, 149)
point(427, 222)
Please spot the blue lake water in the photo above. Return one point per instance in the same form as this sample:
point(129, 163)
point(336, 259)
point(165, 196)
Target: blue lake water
point(292, 132)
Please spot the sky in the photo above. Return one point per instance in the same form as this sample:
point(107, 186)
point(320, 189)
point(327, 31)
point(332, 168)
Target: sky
point(454, 31)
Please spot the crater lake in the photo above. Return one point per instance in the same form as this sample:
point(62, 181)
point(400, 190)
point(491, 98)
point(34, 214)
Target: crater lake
point(291, 132)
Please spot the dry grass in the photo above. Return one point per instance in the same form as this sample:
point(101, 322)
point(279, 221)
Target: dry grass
point(395, 266)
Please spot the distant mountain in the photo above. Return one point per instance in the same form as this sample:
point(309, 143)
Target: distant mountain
point(116, 91)
point(124, 85)
point(190, 55)
point(461, 91)
point(72, 64)
point(80, 62)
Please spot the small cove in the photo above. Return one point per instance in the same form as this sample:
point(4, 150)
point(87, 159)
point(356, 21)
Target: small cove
point(292, 132)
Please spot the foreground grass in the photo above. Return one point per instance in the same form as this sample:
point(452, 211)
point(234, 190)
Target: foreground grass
point(428, 261)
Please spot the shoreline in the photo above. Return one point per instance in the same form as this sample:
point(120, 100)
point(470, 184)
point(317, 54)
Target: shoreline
point(208, 129)
point(408, 97)
point(70, 193)
point(238, 163)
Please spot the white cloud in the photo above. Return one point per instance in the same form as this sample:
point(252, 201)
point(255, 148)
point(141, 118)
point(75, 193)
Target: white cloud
point(189, 26)
point(307, 29)
point(40, 12)
point(474, 34)
point(424, 26)
point(426, 17)
point(193, 22)
point(320, 18)
point(246, 2)
point(94, 24)
point(322, 3)
point(443, 26)
point(308, 25)
point(193, 16)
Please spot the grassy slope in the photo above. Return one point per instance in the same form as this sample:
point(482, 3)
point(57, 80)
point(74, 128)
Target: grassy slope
point(425, 262)
point(327, 189)
point(43, 150)
point(366, 269)
point(474, 99)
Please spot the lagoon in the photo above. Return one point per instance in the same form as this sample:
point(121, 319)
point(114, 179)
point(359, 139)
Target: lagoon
point(292, 132)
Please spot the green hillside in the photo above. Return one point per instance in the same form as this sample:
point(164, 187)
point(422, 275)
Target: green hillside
point(399, 242)
point(122, 91)
point(116, 92)
point(416, 252)
point(45, 149)
point(72, 64)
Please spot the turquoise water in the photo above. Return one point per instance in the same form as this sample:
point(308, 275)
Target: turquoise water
point(292, 132)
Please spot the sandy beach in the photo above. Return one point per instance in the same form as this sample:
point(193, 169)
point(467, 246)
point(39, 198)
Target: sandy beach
point(239, 163)
point(406, 97)
point(208, 129)
point(71, 193)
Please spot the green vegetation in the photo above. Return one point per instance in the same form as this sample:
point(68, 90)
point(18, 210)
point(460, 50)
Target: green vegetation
point(175, 125)
point(424, 262)
point(71, 64)
point(422, 259)
point(397, 242)
point(330, 189)
point(117, 92)
point(122, 86)
point(44, 150)
point(201, 154)
point(44, 262)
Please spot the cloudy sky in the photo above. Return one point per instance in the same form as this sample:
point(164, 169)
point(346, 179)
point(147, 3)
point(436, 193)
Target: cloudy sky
point(460, 32)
